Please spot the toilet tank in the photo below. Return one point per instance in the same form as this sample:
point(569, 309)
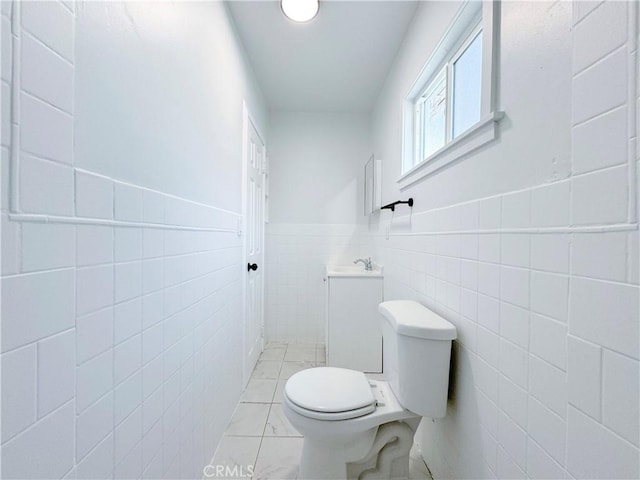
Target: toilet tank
point(416, 355)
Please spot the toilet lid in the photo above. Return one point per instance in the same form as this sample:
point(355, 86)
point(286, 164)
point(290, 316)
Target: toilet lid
point(331, 390)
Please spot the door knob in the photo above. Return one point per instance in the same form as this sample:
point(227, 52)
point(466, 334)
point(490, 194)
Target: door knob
point(252, 266)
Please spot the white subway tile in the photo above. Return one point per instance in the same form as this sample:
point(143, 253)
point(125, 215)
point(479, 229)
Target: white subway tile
point(507, 469)
point(152, 309)
point(95, 245)
point(605, 313)
point(47, 246)
point(550, 252)
point(600, 255)
point(5, 112)
point(600, 197)
point(620, 402)
point(514, 286)
point(128, 203)
point(541, 466)
point(128, 244)
point(584, 376)
point(127, 358)
point(94, 196)
point(5, 154)
point(490, 212)
point(51, 23)
point(488, 347)
point(469, 274)
point(128, 281)
point(153, 207)
point(94, 379)
point(94, 334)
point(514, 363)
point(583, 8)
point(6, 54)
point(18, 390)
point(152, 342)
point(128, 319)
point(600, 33)
point(515, 250)
point(601, 142)
point(128, 396)
point(45, 74)
point(10, 231)
point(45, 187)
point(152, 275)
point(35, 306)
point(45, 131)
point(513, 401)
point(513, 439)
point(152, 243)
point(489, 248)
point(633, 247)
point(93, 425)
point(595, 452)
point(548, 340)
point(56, 371)
point(516, 210)
point(489, 279)
point(99, 463)
point(547, 429)
point(550, 295)
point(128, 434)
point(514, 324)
point(131, 465)
point(548, 384)
point(94, 288)
point(600, 88)
point(489, 313)
point(53, 440)
point(550, 205)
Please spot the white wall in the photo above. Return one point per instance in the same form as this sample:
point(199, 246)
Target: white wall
point(315, 205)
point(121, 288)
point(530, 247)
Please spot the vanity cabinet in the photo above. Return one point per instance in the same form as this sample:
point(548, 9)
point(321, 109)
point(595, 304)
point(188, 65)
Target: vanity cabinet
point(354, 338)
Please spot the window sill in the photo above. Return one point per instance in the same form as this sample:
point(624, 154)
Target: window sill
point(483, 132)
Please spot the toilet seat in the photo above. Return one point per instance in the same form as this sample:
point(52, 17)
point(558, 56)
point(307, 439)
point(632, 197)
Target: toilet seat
point(330, 393)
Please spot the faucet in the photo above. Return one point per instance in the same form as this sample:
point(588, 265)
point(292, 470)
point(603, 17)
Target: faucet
point(367, 263)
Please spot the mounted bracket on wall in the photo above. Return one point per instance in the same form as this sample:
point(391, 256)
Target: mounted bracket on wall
point(392, 206)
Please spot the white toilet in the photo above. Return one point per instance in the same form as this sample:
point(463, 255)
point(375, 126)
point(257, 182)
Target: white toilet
point(359, 428)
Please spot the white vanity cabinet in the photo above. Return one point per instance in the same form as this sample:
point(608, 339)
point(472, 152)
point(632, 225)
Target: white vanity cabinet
point(354, 339)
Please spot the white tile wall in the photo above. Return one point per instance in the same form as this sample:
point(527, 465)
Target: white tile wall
point(296, 255)
point(112, 329)
point(549, 376)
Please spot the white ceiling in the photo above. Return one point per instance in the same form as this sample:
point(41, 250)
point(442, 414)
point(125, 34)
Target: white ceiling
point(336, 62)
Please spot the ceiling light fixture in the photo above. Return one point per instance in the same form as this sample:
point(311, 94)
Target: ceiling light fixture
point(300, 10)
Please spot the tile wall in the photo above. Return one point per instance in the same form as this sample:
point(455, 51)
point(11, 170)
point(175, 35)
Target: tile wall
point(119, 303)
point(295, 295)
point(542, 284)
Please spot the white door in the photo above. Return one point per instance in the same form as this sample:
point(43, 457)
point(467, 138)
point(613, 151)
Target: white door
point(254, 246)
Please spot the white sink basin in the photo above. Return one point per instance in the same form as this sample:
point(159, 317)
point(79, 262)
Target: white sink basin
point(353, 271)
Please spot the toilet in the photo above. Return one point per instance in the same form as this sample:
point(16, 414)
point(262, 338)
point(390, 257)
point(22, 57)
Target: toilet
point(357, 428)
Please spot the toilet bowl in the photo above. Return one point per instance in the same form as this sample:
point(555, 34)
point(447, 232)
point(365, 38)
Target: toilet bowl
point(354, 427)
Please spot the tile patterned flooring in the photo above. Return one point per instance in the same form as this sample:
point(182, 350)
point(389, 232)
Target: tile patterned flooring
point(259, 434)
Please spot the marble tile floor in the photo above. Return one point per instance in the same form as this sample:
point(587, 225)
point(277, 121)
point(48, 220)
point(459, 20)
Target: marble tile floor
point(259, 435)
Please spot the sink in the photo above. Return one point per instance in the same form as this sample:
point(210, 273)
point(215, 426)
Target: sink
point(353, 271)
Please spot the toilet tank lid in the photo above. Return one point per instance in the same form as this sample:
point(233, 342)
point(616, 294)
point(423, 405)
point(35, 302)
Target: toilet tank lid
point(415, 320)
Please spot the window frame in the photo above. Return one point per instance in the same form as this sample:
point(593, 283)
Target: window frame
point(472, 18)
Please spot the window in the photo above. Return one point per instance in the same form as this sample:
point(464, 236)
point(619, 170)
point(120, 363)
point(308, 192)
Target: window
point(449, 111)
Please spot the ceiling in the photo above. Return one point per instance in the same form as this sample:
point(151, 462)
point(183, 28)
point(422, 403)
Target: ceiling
point(336, 62)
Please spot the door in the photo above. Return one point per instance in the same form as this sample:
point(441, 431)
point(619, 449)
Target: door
point(254, 246)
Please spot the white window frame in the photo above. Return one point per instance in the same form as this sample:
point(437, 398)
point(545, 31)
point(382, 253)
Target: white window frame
point(472, 17)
